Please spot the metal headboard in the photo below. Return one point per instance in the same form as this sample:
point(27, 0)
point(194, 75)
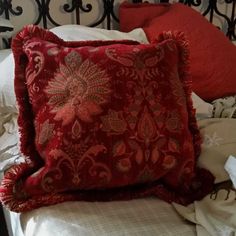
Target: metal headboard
point(108, 15)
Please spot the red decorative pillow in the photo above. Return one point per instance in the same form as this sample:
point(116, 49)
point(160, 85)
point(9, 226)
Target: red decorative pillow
point(136, 15)
point(103, 121)
point(212, 55)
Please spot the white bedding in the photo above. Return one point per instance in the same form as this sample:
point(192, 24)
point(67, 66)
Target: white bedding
point(149, 217)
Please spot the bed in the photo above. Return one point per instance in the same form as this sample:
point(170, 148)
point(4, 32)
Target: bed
point(214, 99)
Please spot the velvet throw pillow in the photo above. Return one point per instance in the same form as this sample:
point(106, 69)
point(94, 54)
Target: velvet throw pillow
point(136, 15)
point(103, 120)
point(212, 55)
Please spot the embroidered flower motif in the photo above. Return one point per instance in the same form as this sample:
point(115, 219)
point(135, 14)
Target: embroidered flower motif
point(80, 162)
point(211, 140)
point(45, 132)
point(114, 122)
point(173, 123)
point(78, 90)
point(169, 162)
point(124, 165)
point(142, 67)
point(35, 57)
point(147, 131)
point(119, 148)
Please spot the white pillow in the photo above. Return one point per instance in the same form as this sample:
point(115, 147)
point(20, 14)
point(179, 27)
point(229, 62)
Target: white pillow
point(203, 109)
point(83, 33)
point(7, 94)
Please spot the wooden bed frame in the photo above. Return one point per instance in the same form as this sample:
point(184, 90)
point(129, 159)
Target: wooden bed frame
point(107, 16)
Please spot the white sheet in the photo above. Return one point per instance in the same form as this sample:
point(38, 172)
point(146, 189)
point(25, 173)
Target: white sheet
point(146, 217)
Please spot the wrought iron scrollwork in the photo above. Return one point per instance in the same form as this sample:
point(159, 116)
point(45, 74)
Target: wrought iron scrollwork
point(7, 42)
point(232, 25)
point(212, 10)
point(108, 14)
point(77, 5)
point(194, 3)
point(44, 13)
point(6, 7)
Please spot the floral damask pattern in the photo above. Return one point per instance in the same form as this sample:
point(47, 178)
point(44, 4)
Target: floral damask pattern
point(212, 140)
point(114, 122)
point(78, 90)
point(105, 120)
point(76, 167)
point(45, 132)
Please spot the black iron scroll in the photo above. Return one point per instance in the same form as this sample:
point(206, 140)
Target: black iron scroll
point(107, 16)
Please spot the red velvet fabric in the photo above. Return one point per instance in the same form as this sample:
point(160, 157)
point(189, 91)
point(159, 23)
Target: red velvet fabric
point(103, 121)
point(136, 15)
point(212, 55)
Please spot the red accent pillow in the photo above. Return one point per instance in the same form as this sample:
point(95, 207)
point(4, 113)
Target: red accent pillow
point(212, 55)
point(103, 121)
point(136, 15)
